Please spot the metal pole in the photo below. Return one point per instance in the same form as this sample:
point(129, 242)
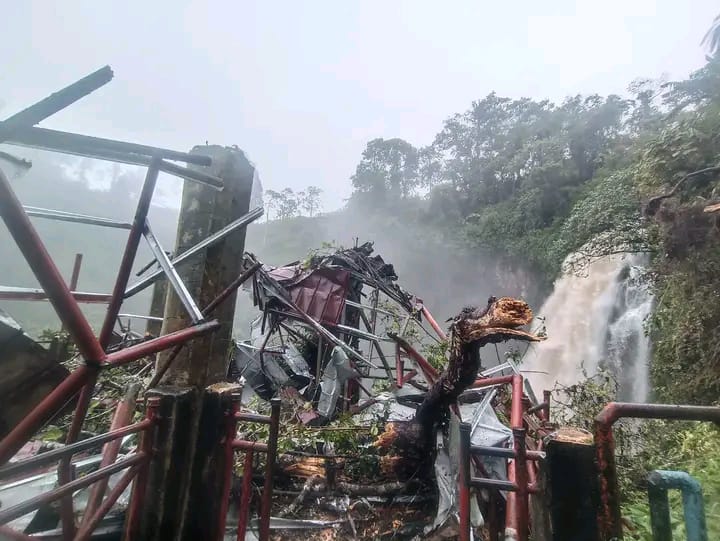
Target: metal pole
point(90, 522)
point(84, 145)
point(464, 526)
point(209, 241)
point(137, 499)
point(264, 530)
point(609, 523)
point(122, 417)
point(172, 275)
point(522, 504)
point(131, 247)
point(230, 433)
point(56, 102)
point(245, 496)
point(47, 273)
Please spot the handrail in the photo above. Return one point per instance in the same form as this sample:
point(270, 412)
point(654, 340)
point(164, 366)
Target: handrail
point(49, 457)
point(16, 511)
point(609, 519)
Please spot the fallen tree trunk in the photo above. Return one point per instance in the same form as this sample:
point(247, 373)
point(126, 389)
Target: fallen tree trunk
point(470, 330)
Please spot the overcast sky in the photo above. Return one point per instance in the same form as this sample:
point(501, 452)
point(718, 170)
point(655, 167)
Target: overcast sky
point(301, 86)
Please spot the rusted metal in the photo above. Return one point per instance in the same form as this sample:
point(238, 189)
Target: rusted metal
point(230, 433)
point(245, 496)
point(609, 518)
point(132, 518)
point(16, 511)
point(131, 246)
point(122, 417)
point(266, 503)
point(91, 521)
point(56, 102)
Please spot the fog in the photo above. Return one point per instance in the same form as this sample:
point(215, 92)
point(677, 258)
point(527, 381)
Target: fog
point(302, 86)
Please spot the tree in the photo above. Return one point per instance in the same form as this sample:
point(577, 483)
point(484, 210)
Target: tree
point(387, 172)
point(712, 38)
point(310, 200)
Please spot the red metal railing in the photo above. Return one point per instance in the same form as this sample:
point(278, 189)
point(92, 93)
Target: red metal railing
point(232, 444)
point(136, 466)
point(521, 474)
point(609, 523)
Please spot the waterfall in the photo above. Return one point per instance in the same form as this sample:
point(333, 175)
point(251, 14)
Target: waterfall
point(595, 321)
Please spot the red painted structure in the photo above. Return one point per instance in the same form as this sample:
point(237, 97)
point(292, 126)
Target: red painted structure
point(609, 523)
point(94, 350)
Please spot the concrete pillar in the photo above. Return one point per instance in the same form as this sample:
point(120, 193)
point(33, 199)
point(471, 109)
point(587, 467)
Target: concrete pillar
point(183, 499)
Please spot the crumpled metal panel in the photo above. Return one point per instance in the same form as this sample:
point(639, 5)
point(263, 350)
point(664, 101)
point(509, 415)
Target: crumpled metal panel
point(337, 372)
point(446, 468)
point(286, 368)
point(487, 431)
point(319, 293)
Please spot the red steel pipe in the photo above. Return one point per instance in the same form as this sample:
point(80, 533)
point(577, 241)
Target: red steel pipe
point(464, 526)
point(522, 504)
point(41, 413)
point(256, 446)
point(245, 496)
point(137, 498)
point(514, 517)
point(230, 433)
point(428, 370)
point(128, 259)
point(122, 417)
point(160, 343)
point(90, 522)
point(266, 503)
point(29, 464)
point(433, 323)
point(16, 511)
point(47, 273)
point(609, 522)
point(487, 382)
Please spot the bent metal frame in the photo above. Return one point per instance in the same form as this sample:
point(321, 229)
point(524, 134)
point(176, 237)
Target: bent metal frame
point(19, 130)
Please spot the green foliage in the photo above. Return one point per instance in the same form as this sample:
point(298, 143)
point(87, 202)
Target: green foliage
point(436, 354)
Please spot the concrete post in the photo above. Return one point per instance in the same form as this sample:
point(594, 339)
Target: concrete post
point(183, 500)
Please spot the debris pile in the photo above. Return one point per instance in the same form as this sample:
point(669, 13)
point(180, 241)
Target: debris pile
point(370, 396)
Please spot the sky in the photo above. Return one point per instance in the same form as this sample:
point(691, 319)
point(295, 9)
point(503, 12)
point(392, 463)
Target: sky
point(303, 86)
